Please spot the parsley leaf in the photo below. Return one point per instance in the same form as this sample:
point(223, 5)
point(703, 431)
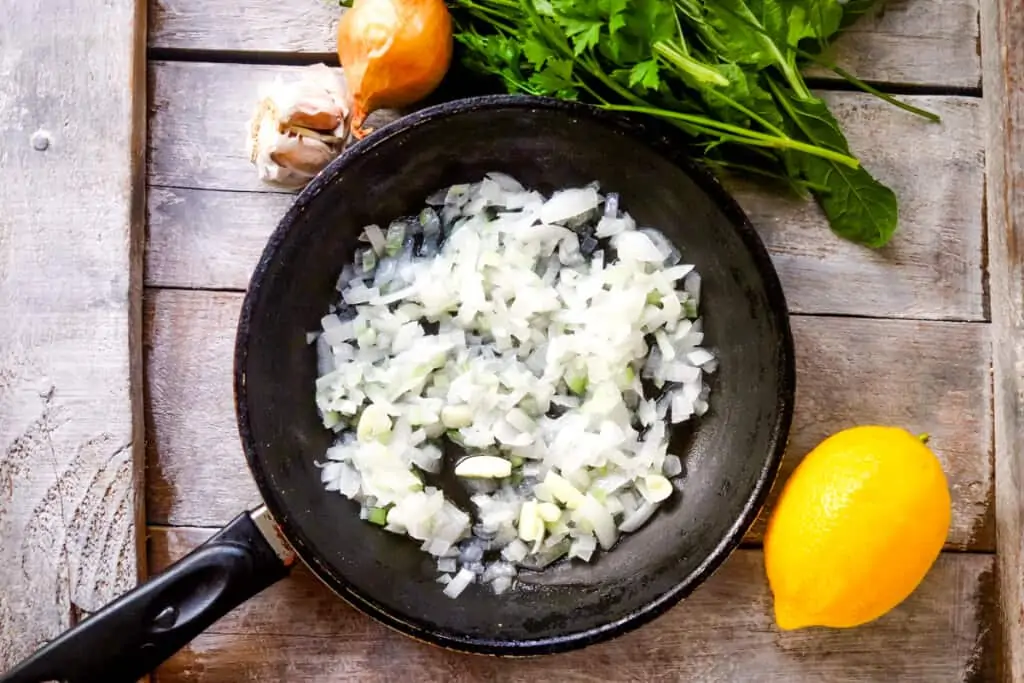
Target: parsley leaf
point(644, 75)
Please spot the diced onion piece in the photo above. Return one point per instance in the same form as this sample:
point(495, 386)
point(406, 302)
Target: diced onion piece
point(373, 424)
point(563, 491)
point(600, 519)
point(639, 517)
point(699, 357)
point(501, 584)
point(570, 203)
point(636, 246)
point(654, 488)
point(459, 583)
point(516, 551)
point(375, 236)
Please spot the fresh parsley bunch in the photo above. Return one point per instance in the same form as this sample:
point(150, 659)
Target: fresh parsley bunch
point(727, 72)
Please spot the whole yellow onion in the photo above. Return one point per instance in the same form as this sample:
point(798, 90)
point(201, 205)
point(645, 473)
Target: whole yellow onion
point(393, 52)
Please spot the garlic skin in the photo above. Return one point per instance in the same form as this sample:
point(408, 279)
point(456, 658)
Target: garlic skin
point(298, 127)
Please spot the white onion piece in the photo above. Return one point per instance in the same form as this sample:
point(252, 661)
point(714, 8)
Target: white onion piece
point(638, 518)
point(459, 583)
point(567, 204)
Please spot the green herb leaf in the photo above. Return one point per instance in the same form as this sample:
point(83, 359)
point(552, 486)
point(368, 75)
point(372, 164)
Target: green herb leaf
point(645, 75)
point(536, 51)
point(584, 35)
point(555, 79)
point(739, 35)
point(859, 208)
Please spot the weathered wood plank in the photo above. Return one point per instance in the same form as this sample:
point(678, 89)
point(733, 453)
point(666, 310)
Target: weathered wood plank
point(71, 150)
point(300, 631)
point(929, 377)
point(196, 473)
point(913, 42)
point(906, 41)
point(206, 239)
point(304, 26)
point(933, 269)
point(1003, 49)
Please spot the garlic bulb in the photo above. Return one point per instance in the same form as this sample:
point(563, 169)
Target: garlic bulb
point(298, 127)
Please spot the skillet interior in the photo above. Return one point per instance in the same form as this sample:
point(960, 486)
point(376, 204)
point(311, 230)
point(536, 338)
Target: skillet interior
point(730, 455)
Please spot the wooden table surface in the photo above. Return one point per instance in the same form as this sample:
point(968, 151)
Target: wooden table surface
point(911, 335)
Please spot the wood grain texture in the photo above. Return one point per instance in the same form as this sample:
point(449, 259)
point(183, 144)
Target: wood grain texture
point(913, 42)
point(71, 151)
point(933, 269)
point(1003, 49)
point(929, 377)
point(299, 631)
point(304, 26)
point(208, 239)
point(917, 42)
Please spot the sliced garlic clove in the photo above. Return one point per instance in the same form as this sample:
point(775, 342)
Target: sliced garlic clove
point(483, 467)
point(530, 526)
point(457, 416)
point(549, 512)
point(563, 491)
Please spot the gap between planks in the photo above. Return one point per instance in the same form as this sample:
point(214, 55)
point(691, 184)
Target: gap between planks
point(723, 632)
point(927, 376)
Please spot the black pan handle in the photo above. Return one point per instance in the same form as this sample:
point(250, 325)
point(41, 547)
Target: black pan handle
point(132, 635)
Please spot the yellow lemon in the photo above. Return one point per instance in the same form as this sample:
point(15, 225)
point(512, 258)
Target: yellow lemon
point(856, 528)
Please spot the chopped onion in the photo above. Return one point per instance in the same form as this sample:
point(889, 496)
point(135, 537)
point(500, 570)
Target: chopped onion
point(515, 326)
point(459, 583)
point(567, 204)
point(375, 236)
point(639, 517)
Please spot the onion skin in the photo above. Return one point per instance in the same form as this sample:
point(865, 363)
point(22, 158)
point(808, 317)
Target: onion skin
point(393, 52)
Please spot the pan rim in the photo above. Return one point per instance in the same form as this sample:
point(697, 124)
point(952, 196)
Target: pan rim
point(665, 142)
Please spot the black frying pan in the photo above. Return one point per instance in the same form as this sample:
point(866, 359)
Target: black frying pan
point(731, 454)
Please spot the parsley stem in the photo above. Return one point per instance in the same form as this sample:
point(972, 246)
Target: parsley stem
point(668, 53)
point(870, 89)
point(685, 63)
point(598, 73)
point(729, 131)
